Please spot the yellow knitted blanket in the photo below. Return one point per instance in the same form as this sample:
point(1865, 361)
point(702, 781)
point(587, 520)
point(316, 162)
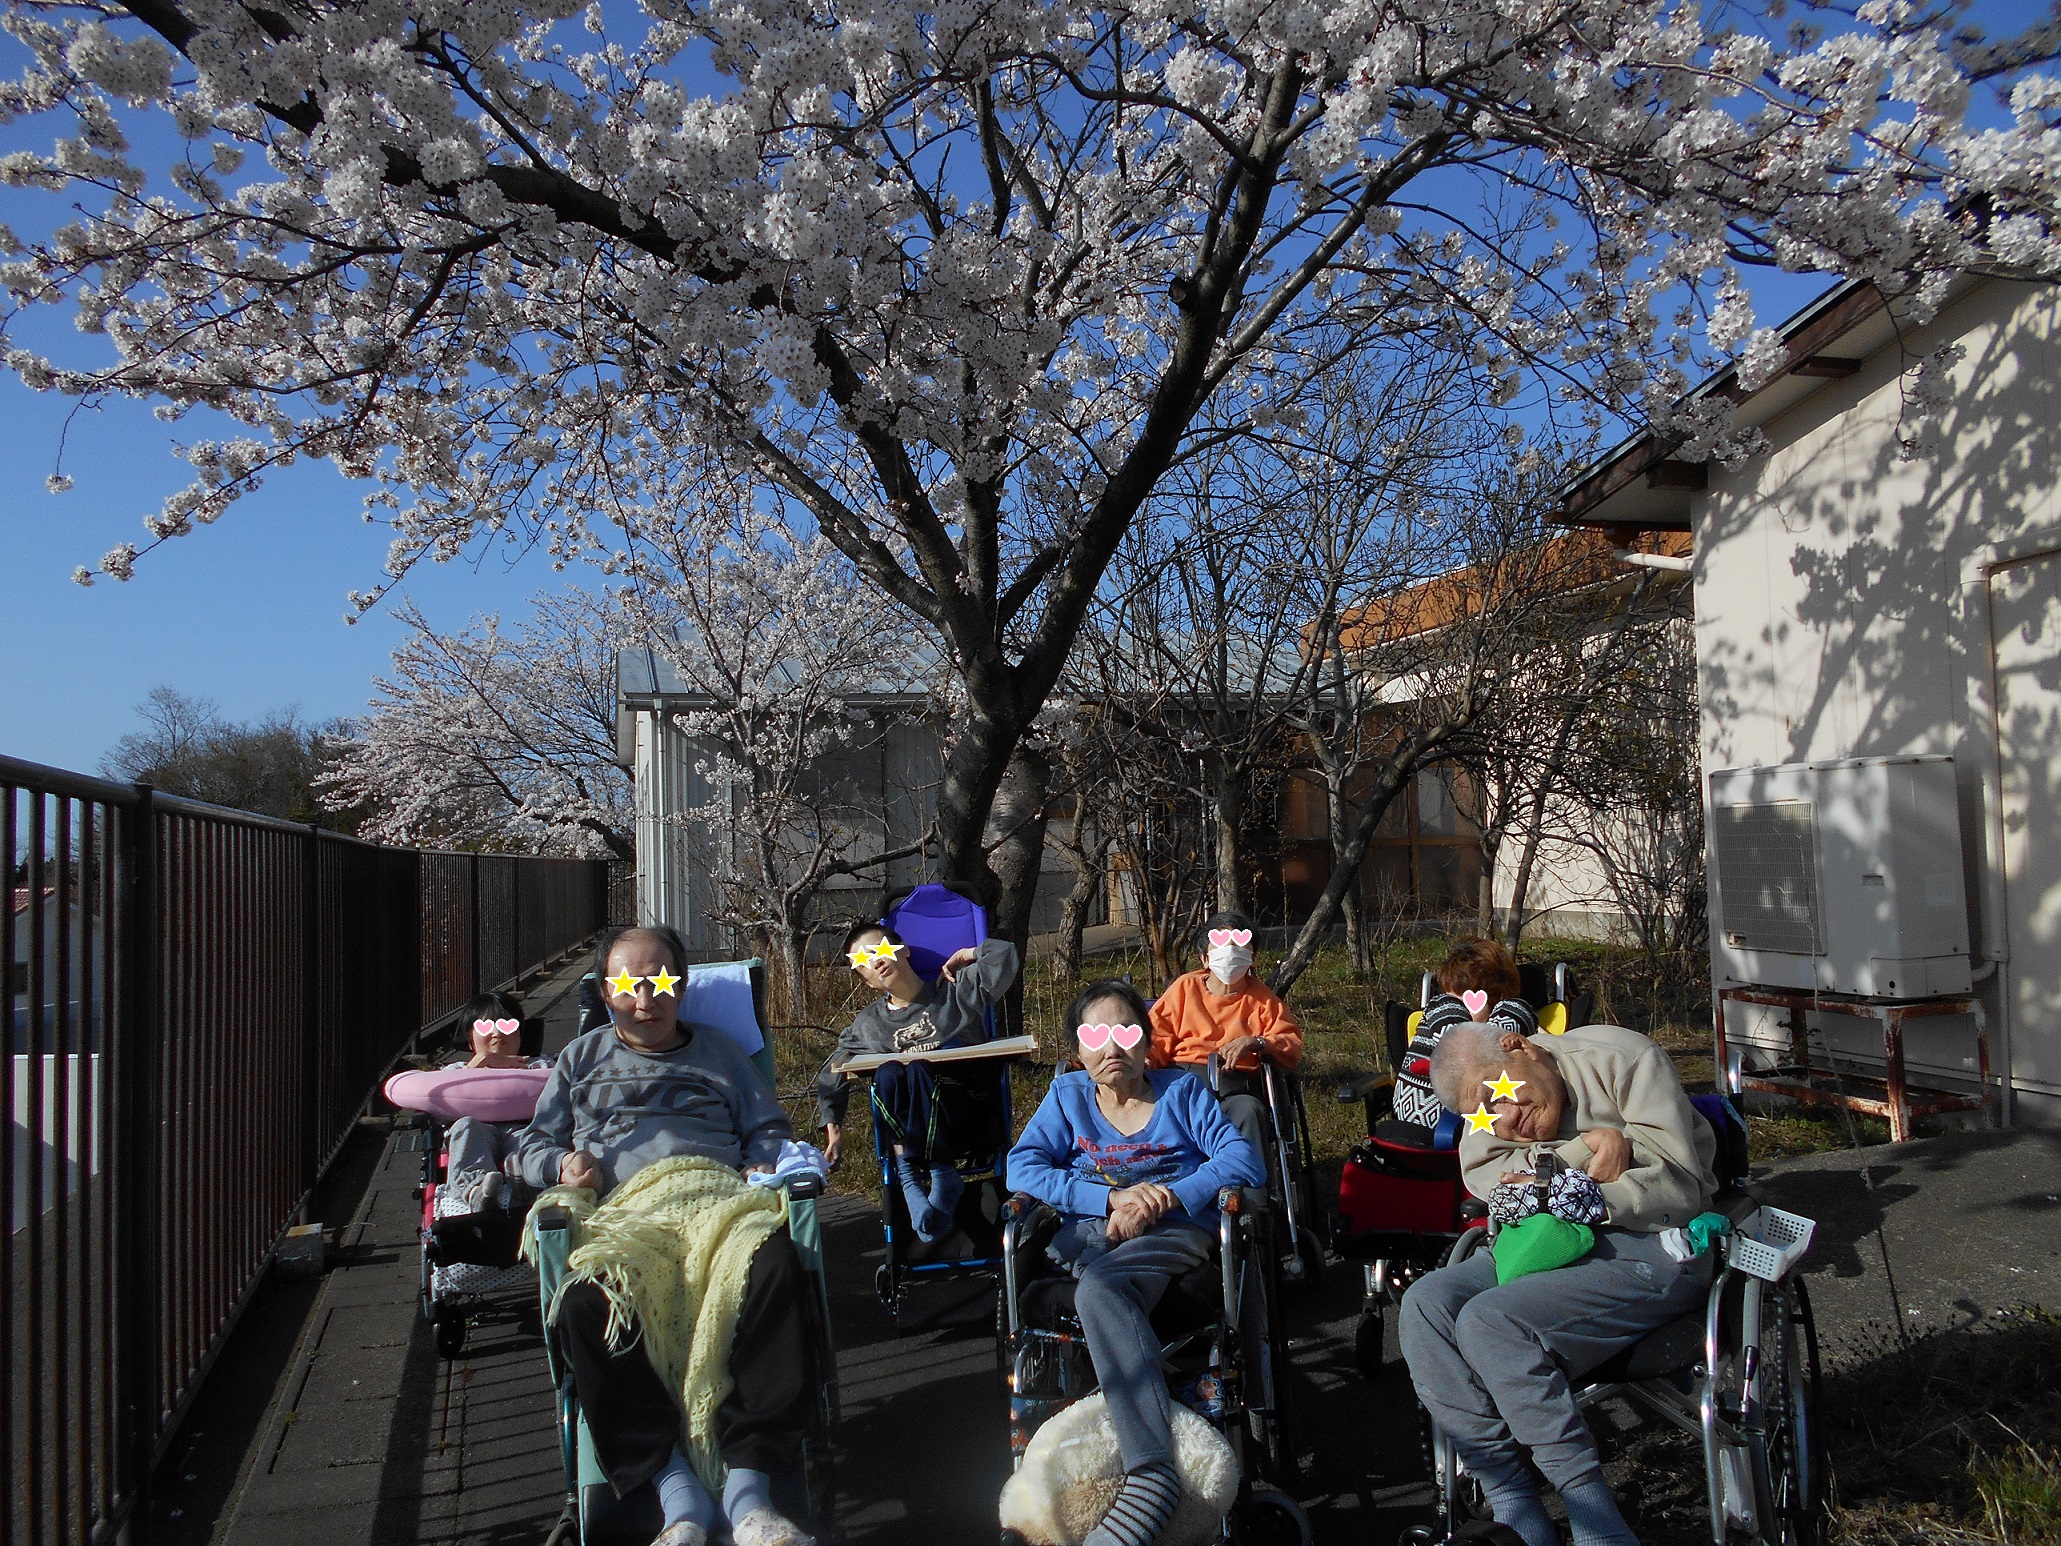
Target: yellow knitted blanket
point(671, 1248)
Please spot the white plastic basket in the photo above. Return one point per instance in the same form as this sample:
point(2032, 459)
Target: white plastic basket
point(1771, 1242)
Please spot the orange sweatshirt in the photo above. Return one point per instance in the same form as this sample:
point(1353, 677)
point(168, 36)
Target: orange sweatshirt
point(1189, 1022)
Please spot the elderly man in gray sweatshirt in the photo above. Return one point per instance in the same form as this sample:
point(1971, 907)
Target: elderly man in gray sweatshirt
point(1492, 1363)
point(645, 1087)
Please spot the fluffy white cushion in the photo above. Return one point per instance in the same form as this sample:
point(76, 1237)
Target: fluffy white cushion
point(1071, 1473)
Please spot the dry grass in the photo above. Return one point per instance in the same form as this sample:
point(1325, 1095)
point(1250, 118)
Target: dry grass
point(1954, 1436)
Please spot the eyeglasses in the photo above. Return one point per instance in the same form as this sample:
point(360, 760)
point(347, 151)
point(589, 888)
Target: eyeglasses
point(1096, 1037)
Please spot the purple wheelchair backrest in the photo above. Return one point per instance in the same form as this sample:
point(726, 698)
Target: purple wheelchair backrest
point(936, 921)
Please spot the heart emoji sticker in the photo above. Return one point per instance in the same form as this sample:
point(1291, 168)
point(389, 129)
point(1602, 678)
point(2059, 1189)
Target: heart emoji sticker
point(1475, 1000)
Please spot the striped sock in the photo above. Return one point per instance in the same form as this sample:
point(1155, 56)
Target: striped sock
point(1142, 1507)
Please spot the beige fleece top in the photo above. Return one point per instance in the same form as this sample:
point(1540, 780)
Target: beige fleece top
point(1616, 1078)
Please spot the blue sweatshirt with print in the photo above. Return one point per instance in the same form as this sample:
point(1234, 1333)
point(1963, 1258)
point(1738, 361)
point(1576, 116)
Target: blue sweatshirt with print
point(1069, 1155)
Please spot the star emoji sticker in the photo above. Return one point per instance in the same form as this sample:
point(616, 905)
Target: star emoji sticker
point(1480, 1119)
point(1503, 1087)
point(623, 983)
point(884, 951)
point(662, 981)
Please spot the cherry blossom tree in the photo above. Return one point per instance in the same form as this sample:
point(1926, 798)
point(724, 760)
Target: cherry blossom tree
point(963, 282)
point(794, 673)
point(495, 738)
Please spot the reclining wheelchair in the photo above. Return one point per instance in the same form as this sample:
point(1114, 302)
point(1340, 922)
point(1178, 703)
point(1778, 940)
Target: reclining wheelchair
point(1223, 1352)
point(1740, 1375)
point(1400, 1201)
point(936, 921)
point(728, 997)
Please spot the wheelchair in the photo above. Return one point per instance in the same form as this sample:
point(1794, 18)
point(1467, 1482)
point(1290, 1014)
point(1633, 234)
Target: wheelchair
point(469, 1257)
point(1400, 1202)
point(728, 997)
point(1740, 1376)
point(1223, 1352)
point(936, 921)
point(1291, 1169)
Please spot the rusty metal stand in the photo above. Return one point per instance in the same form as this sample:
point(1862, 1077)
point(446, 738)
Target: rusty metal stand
point(1896, 1101)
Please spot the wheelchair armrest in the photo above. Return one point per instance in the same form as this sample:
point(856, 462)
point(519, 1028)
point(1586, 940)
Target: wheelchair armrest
point(1213, 1074)
point(553, 1228)
point(1027, 1225)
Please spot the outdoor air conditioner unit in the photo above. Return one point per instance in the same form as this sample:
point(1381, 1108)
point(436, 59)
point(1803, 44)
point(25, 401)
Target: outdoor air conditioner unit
point(1842, 877)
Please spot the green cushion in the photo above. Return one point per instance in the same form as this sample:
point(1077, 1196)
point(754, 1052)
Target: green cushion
point(1539, 1244)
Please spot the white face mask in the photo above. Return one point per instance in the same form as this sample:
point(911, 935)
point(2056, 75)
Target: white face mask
point(1229, 962)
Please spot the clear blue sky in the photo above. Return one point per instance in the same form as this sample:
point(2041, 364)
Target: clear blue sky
point(248, 612)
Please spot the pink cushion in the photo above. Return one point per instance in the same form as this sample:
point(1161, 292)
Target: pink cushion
point(488, 1094)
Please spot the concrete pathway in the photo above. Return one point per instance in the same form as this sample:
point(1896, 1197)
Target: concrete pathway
point(373, 1439)
point(1936, 1233)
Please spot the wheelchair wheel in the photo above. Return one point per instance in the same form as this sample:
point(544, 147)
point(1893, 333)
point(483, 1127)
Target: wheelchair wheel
point(1265, 1517)
point(887, 1289)
point(1788, 1455)
point(1309, 1256)
point(450, 1333)
point(1369, 1353)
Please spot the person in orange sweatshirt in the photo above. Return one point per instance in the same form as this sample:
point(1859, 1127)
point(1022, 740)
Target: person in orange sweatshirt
point(1223, 1008)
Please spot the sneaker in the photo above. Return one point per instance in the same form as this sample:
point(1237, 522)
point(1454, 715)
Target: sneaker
point(685, 1533)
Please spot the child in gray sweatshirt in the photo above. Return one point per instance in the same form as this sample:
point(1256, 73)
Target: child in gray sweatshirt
point(912, 1015)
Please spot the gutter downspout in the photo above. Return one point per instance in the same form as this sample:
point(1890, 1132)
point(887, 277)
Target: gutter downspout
point(1980, 744)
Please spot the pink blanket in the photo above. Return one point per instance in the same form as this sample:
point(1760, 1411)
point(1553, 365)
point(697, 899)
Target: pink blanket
point(487, 1094)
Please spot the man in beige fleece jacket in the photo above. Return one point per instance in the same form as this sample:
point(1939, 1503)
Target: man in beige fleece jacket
point(1492, 1363)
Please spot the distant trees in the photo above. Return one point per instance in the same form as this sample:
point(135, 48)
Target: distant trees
point(495, 738)
point(269, 766)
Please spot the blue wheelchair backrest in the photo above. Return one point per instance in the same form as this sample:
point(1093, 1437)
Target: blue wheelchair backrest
point(935, 920)
point(719, 994)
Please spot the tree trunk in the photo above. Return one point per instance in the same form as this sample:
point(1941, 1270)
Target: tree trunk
point(1017, 859)
point(1073, 915)
point(794, 971)
point(1338, 819)
point(1227, 812)
point(1490, 841)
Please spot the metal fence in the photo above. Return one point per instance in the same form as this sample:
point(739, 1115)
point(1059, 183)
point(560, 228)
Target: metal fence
point(200, 1003)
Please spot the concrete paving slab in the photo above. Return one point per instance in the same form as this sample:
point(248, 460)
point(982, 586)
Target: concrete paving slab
point(1926, 1234)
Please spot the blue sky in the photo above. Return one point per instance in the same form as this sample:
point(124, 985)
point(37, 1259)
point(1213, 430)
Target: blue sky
point(248, 612)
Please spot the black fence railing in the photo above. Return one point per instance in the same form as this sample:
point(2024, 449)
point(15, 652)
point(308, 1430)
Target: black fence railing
point(200, 1003)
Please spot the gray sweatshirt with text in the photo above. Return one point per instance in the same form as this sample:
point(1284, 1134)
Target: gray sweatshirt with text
point(943, 1014)
point(628, 1108)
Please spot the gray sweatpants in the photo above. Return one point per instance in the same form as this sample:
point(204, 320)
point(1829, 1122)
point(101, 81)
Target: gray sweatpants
point(476, 1147)
point(1117, 1291)
point(1491, 1363)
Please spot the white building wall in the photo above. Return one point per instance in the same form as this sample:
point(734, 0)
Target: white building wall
point(1842, 590)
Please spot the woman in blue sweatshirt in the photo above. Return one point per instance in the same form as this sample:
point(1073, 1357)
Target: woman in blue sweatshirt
point(1133, 1159)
